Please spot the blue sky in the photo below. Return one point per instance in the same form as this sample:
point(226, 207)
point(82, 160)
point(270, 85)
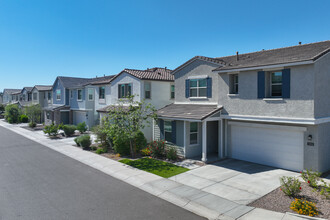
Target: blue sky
point(42, 39)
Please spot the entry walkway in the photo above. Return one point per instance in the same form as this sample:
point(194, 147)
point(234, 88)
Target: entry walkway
point(191, 190)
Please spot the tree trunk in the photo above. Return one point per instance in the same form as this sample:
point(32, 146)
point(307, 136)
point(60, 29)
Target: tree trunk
point(131, 148)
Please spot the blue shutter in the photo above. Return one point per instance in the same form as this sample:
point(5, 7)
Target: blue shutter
point(161, 127)
point(174, 132)
point(209, 87)
point(187, 88)
point(261, 84)
point(286, 83)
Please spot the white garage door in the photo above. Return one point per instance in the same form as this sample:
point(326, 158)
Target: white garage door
point(79, 117)
point(278, 146)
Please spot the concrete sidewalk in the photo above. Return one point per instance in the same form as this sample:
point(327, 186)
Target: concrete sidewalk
point(190, 198)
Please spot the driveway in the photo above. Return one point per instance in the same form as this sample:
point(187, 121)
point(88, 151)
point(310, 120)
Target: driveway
point(239, 181)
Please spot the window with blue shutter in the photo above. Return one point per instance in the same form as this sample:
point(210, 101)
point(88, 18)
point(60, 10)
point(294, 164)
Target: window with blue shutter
point(261, 84)
point(209, 87)
point(161, 127)
point(286, 75)
point(174, 132)
point(187, 88)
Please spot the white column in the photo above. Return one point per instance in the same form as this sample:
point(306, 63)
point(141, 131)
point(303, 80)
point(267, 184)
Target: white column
point(220, 140)
point(226, 139)
point(204, 141)
point(184, 137)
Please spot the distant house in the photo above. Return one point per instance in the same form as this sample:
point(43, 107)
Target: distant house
point(270, 107)
point(155, 86)
point(42, 95)
point(11, 95)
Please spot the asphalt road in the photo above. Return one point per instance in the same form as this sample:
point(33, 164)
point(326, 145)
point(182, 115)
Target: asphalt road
point(39, 183)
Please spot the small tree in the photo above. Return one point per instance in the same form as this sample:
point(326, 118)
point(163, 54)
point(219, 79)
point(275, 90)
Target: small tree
point(33, 112)
point(128, 118)
point(12, 113)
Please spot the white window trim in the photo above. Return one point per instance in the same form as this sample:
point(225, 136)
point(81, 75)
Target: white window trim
point(58, 94)
point(274, 84)
point(194, 133)
point(78, 95)
point(90, 89)
point(198, 97)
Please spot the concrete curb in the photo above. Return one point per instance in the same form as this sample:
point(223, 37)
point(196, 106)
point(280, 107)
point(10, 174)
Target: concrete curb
point(199, 202)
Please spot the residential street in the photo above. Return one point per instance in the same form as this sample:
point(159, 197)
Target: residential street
point(38, 183)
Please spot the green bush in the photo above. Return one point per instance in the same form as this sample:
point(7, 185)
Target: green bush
point(2, 107)
point(101, 151)
point(60, 126)
point(51, 130)
point(24, 119)
point(69, 130)
point(76, 141)
point(290, 186)
point(311, 177)
point(82, 127)
point(101, 135)
point(121, 144)
point(140, 141)
point(84, 141)
point(32, 124)
point(171, 153)
point(12, 113)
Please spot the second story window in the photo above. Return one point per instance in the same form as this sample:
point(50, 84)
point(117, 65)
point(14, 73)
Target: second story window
point(124, 90)
point(276, 84)
point(35, 96)
point(101, 92)
point(49, 96)
point(90, 94)
point(147, 90)
point(233, 84)
point(58, 94)
point(198, 87)
point(79, 95)
point(172, 91)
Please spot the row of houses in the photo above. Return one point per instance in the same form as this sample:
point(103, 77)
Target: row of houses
point(270, 107)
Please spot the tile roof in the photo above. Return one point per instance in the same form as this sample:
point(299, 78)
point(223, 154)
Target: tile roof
point(28, 89)
point(73, 82)
point(11, 91)
point(188, 111)
point(101, 80)
point(285, 55)
point(156, 73)
point(43, 87)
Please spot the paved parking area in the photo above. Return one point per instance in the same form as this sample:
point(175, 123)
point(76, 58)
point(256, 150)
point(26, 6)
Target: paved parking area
point(239, 181)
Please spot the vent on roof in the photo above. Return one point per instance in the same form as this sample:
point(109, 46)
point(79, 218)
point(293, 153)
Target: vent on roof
point(159, 73)
point(237, 56)
point(299, 42)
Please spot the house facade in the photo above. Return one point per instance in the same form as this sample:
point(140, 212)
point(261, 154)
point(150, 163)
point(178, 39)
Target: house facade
point(152, 85)
point(267, 107)
point(42, 95)
point(10, 95)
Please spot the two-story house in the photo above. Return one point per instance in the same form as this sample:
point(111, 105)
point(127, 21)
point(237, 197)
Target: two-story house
point(155, 86)
point(269, 107)
point(9, 95)
point(25, 98)
point(42, 95)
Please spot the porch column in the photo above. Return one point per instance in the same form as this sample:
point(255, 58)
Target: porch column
point(184, 137)
point(204, 141)
point(220, 140)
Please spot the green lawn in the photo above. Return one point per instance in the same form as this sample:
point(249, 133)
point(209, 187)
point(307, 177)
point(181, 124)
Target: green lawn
point(157, 167)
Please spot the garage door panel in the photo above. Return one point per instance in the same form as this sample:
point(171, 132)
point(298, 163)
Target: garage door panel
point(273, 147)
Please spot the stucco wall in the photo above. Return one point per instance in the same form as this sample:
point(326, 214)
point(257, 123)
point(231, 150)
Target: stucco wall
point(58, 85)
point(300, 105)
point(324, 146)
point(160, 93)
point(123, 79)
point(74, 103)
point(322, 87)
point(196, 68)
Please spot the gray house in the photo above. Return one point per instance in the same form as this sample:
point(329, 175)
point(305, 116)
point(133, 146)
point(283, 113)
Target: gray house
point(42, 95)
point(270, 107)
point(10, 95)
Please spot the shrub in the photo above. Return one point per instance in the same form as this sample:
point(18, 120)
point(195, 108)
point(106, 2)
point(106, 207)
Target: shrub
point(325, 189)
point(121, 144)
point(171, 153)
point(33, 112)
point(32, 124)
point(76, 141)
point(101, 151)
point(157, 149)
point(140, 141)
point(304, 207)
point(60, 126)
point(82, 127)
point(101, 135)
point(69, 130)
point(84, 141)
point(311, 177)
point(2, 107)
point(24, 119)
point(146, 151)
point(51, 130)
point(290, 186)
point(12, 113)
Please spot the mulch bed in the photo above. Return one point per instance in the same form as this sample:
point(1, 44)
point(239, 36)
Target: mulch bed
point(279, 202)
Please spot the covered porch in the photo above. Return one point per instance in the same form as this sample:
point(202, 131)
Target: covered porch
point(196, 130)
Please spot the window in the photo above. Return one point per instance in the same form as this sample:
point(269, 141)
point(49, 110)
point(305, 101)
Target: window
point(233, 79)
point(193, 132)
point(71, 94)
point(172, 91)
point(79, 95)
point(168, 131)
point(276, 84)
point(35, 96)
point(198, 87)
point(48, 115)
point(90, 94)
point(49, 96)
point(147, 90)
point(124, 90)
point(58, 94)
point(29, 96)
point(101, 92)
